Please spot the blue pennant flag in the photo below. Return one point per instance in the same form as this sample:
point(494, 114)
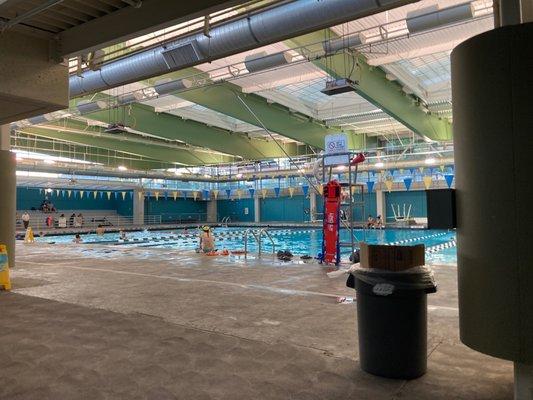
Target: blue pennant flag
point(449, 180)
point(184, 194)
point(252, 191)
point(131, 194)
point(412, 171)
point(76, 193)
point(276, 191)
point(101, 195)
point(63, 193)
point(228, 193)
point(407, 182)
point(370, 186)
point(116, 195)
point(165, 195)
point(305, 189)
point(392, 171)
point(148, 194)
point(206, 194)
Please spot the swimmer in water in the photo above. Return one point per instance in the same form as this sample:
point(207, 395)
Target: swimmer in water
point(122, 235)
point(206, 240)
point(78, 238)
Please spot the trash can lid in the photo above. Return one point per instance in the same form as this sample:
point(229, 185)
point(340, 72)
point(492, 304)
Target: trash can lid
point(418, 278)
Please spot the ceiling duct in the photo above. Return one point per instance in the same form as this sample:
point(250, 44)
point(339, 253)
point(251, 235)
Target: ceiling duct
point(261, 61)
point(417, 22)
point(89, 107)
point(335, 45)
point(129, 98)
point(39, 119)
point(255, 30)
point(168, 86)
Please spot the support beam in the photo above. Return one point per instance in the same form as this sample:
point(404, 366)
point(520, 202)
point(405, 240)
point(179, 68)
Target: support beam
point(143, 118)
point(31, 82)
point(8, 194)
point(257, 209)
point(112, 142)
point(373, 85)
point(138, 207)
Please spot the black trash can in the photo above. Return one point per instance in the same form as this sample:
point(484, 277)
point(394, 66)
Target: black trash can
point(392, 321)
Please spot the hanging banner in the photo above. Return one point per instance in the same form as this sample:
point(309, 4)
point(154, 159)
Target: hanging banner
point(131, 195)
point(63, 193)
point(116, 195)
point(140, 195)
point(184, 193)
point(206, 194)
point(239, 193)
point(195, 195)
point(264, 193)
point(123, 196)
point(305, 190)
point(402, 171)
point(252, 192)
point(412, 171)
point(291, 191)
point(108, 195)
point(370, 186)
point(81, 194)
point(407, 182)
point(69, 192)
point(449, 180)
point(421, 169)
point(40, 191)
point(215, 193)
point(57, 192)
point(427, 181)
point(165, 195)
point(101, 195)
point(392, 171)
point(388, 184)
point(156, 194)
point(95, 193)
point(442, 168)
point(174, 195)
point(277, 191)
point(228, 193)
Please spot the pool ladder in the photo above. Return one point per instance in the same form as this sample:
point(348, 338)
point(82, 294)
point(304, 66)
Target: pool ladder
point(258, 236)
point(225, 221)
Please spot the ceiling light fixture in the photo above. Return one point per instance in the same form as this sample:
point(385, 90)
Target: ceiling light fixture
point(122, 168)
point(430, 161)
point(379, 165)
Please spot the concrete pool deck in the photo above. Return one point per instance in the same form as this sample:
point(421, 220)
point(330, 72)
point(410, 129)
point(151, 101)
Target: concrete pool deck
point(96, 322)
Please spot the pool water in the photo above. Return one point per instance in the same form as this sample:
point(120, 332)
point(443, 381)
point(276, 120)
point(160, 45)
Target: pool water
point(440, 244)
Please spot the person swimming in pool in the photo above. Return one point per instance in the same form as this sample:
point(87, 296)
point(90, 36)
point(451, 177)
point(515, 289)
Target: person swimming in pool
point(206, 240)
point(78, 239)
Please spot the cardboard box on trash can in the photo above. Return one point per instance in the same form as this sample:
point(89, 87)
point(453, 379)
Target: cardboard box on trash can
point(392, 258)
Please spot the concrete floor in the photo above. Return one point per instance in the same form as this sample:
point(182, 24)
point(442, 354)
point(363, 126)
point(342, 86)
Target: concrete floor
point(95, 323)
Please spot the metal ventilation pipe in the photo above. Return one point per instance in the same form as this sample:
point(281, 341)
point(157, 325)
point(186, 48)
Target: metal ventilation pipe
point(335, 45)
point(262, 61)
point(169, 86)
point(435, 18)
point(265, 27)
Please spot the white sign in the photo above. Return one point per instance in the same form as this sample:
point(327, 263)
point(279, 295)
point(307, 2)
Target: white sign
point(336, 144)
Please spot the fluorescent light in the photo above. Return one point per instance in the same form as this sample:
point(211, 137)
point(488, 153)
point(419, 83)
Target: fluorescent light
point(341, 168)
point(48, 161)
point(301, 171)
point(122, 168)
point(207, 176)
point(176, 172)
point(430, 161)
point(48, 190)
point(19, 158)
point(238, 176)
point(379, 165)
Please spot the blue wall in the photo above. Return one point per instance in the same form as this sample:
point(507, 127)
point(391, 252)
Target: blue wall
point(179, 209)
point(415, 198)
point(285, 209)
point(30, 197)
point(234, 208)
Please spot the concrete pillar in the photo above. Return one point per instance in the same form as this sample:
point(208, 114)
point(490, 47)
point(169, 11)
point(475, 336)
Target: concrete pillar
point(8, 194)
point(138, 207)
point(257, 209)
point(492, 85)
point(312, 205)
point(212, 211)
point(381, 208)
point(523, 381)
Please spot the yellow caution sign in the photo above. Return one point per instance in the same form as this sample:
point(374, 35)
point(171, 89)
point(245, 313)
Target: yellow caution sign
point(5, 283)
point(28, 237)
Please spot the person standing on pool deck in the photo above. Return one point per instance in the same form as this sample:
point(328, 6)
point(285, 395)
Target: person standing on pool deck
point(26, 219)
point(207, 240)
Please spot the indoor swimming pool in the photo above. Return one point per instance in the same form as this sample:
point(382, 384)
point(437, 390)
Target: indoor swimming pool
point(440, 244)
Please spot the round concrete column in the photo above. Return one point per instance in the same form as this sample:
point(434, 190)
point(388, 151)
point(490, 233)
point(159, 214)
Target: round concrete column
point(492, 85)
point(8, 196)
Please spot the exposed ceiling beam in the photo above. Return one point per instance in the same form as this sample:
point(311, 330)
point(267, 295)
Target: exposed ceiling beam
point(130, 22)
point(372, 84)
point(94, 138)
point(143, 118)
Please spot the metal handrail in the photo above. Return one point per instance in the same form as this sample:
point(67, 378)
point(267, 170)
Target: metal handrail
point(264, 231)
